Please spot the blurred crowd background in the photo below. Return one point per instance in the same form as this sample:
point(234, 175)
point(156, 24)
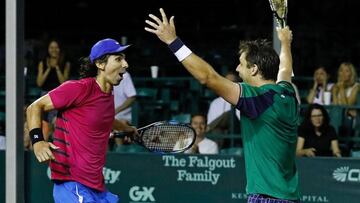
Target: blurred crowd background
point(326, 34)
point(325, 31)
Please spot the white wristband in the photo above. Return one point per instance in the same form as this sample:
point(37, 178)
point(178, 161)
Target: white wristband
point(182, 53)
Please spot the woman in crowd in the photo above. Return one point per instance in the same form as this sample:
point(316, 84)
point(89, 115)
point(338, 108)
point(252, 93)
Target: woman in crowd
point(345, 92)
point(53, 69)
point(321, 85)
point(316, 137)
point(346, 89)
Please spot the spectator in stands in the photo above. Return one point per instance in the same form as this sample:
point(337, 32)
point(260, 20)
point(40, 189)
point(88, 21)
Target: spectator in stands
point(54, 69)
point(321, 85)
point(345, 92)
point(316, 137)
point(346, 88)
point(202, 144)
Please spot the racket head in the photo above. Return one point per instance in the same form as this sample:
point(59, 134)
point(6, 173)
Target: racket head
point(280, 10)
point(166, 137)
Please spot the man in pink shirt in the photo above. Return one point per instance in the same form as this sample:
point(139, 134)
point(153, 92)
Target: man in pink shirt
point(84, 121)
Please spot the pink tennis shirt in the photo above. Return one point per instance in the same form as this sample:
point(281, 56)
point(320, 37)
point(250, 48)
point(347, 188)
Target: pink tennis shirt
point(83, 125)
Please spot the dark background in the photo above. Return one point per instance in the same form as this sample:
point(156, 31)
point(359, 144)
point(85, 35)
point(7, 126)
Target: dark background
point(325, 31)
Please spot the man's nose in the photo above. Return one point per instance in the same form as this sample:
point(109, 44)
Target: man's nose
point(125, 64)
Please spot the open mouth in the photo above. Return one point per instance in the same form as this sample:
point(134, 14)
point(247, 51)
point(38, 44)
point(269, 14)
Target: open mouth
point(121, 75)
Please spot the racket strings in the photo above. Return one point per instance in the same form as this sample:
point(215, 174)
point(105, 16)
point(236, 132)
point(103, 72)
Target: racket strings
point(168, 138)
point(279, 7)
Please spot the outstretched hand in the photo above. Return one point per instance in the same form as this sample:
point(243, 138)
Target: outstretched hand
point(164, 29)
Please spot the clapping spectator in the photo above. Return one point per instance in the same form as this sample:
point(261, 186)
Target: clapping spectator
point(54, 69)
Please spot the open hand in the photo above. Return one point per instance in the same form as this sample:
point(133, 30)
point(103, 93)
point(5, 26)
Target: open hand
point(164, 29)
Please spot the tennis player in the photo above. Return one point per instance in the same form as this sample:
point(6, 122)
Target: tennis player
point(84, 121)
point(268, 106)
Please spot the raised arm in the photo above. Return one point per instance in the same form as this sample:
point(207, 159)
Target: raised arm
point(285, 67)
point(200, 69)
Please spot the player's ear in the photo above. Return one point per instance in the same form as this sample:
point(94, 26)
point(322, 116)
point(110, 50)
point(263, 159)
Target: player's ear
point(100, 65)
point(254, 69)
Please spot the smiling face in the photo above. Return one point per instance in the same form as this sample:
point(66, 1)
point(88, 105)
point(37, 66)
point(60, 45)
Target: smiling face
point(199, 124)
point(54, 49)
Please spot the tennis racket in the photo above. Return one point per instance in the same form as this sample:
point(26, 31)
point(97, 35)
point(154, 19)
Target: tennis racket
point(165, 137)
point(280, 10)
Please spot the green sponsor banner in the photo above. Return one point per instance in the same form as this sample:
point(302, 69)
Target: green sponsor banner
point(329, 180)
point(140, 178)
point(157, 178)
point(175, 178)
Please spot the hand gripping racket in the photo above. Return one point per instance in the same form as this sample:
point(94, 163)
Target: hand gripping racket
point(280, 10)
point(165, 137)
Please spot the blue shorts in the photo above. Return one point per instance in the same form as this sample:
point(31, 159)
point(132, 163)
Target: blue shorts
point(71, 192)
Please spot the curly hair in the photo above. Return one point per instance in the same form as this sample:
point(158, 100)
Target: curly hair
point(88, 69)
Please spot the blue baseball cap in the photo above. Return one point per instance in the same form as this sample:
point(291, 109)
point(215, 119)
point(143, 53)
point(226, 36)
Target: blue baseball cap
point(105, 46)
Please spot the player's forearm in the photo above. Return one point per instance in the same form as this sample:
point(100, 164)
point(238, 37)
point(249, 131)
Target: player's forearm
point(33, 116)
point(285, 66)
point(199, 68)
